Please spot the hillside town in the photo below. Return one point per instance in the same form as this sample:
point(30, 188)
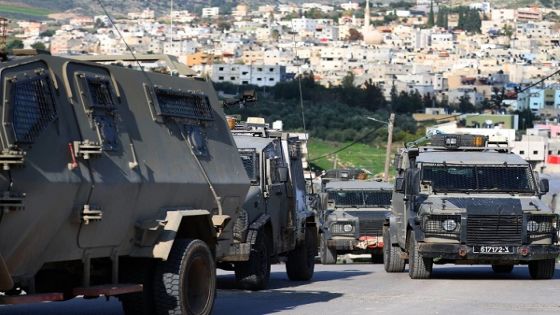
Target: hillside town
point(490, 58)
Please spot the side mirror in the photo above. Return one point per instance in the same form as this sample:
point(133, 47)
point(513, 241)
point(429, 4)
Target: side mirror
point(283, 175)
point(543, 185)
point(399, 185)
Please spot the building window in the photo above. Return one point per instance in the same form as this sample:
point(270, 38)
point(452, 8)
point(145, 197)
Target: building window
point(245, 82)
point(535, 152)
point(271, 79)
point(549, 152)
point(259, 79)
point(232, 78)
point(521, 152)
point(259, 69)
point(271, 69)
point(221, 68)
point(221, 78)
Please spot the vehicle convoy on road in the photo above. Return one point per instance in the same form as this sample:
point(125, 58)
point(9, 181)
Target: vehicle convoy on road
point(353, 219)
point(275, 222)
point(459, 201)
point(114, 182)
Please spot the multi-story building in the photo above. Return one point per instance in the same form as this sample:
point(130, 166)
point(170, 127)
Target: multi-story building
point(259, 75)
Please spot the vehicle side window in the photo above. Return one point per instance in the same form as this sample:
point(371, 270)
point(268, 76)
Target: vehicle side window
point(29, 105)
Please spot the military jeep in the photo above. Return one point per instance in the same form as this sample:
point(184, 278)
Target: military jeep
point(353, 219)
point(275, 222)
point(459, 201)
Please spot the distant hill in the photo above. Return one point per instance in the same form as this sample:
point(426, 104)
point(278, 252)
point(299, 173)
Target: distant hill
point(40, 8)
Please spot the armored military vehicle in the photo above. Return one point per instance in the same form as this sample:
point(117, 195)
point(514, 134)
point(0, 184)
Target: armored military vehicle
point(353, 219)
point(459, 201)
point(114, 182)
point(275, 222)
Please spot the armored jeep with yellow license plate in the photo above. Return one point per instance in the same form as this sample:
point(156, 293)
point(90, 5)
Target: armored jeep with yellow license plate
point(459, 201)
point(114, 182)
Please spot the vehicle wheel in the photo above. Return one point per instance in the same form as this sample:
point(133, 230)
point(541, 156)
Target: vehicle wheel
point(542, 269)
point(328, 255)
point(254, 274)
point(392, 260)
point(301, 261)
point(418, 266)
point(186, 282)
point(138, 271)
point(502, 268)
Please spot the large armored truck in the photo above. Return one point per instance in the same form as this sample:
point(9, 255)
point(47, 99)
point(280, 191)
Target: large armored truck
point(275, 221)
point(114, 182)
point(459, 201)
point(353, 219)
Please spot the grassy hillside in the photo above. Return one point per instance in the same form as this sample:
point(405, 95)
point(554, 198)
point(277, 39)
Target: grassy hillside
point(9, 9)
point(359, 155)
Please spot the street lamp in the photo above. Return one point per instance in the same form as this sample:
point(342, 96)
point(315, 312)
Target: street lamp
point(389, 142)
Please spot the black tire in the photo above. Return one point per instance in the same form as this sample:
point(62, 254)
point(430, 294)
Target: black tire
point(418, 266)
point(138, 271)
point(254, 274)
point(502, 268)
point(328, 255)
point(392, 260)
point(186, 282)
point(542, 269)
point(301, 261)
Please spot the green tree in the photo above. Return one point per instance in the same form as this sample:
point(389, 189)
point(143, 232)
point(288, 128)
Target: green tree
point(39, 46)
point(354, 35)
point(465, 105)
point(442, 18)
point(14, 43)
point(431, 22)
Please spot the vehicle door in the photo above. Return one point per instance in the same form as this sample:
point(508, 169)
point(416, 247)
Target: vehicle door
point(37, 188)
point(277, 202)
point(107, 150)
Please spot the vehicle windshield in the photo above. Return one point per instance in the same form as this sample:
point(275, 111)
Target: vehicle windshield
point(486, 178)
point(360, 198)
point(250, 161)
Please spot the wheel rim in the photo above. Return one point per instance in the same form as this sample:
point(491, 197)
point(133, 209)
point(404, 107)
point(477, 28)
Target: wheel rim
point(197, 292)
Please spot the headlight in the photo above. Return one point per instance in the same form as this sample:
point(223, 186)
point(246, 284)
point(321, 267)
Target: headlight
point(449, 225)
point(532, 226)
point(347, 228)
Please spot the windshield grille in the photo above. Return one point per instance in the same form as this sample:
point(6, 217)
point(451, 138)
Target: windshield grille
point(479, 178)
point(250, 162)
point(359, 198)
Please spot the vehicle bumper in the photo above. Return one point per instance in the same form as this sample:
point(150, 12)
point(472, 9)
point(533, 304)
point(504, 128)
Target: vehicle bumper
point(363, 243)
point(465, 252)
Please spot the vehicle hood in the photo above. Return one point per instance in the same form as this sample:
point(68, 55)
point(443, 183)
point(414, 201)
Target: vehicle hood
point(487, 204)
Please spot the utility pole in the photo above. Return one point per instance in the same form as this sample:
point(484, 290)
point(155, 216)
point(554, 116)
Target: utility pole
point(389, 143)
point(335, 161)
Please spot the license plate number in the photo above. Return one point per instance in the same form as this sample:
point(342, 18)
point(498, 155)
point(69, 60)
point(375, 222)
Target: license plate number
point(493, 249)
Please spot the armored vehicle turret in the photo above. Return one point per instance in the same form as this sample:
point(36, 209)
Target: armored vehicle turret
point(459, 201)
point(114, 182)
point(353, 219)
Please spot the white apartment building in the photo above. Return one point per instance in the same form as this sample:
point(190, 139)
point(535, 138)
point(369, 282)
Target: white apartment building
point(259, 75)
point(503, 15)
point(442, 41)
point(350, 5)
point(211, 12)
point(308, 25)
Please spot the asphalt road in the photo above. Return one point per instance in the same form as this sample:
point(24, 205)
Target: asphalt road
point(363, 289)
